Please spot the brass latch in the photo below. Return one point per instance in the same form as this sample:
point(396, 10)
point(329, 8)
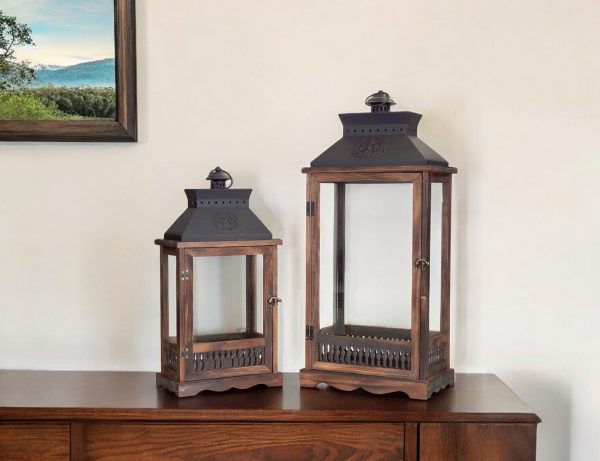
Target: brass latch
point(273, 300)
point(422, 263)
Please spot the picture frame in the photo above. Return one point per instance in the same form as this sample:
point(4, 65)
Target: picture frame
point(124, 127)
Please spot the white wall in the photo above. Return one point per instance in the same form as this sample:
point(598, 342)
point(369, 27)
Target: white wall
point(510, 95)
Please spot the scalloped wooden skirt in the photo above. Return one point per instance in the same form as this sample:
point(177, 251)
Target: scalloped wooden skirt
point(419, 390)
point(192, 388)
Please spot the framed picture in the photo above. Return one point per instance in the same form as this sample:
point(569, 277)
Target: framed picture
point(68, 70)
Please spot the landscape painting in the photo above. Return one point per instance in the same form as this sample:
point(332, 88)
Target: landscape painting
point(57, 60)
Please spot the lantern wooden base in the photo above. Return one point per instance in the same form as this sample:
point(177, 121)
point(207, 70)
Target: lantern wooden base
point(192, 388)
point(419, 390)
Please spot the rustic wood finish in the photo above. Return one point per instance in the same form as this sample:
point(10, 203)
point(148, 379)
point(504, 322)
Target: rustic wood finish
point(415, 333)
point(423, 278)
point(292, 441)
point(164, 310)
point(415, 362)
point(494, 442)
point(124, 128)
point(313, 248)
point(446, 253)
point(118, 415)
point(353, 378)
point(411, 442)
point(191, 364)
point(35, 441)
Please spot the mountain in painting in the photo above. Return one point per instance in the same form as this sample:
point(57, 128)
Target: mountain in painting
point(93, 74)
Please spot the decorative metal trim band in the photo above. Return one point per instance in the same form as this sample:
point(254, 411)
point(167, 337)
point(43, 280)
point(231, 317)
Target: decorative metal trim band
point(436, 355)
point(379, 130)
point(236, 358)
point(171, 360)
point(395, 358)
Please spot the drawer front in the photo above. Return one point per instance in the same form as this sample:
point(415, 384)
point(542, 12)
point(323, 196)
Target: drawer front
point(476, 442)
point(40, 442)
point(260, 441)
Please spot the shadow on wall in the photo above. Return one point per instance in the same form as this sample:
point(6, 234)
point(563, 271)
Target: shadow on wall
point(444, 135)
point(554, 433)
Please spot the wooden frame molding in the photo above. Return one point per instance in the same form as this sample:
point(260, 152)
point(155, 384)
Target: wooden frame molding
point(124, 128)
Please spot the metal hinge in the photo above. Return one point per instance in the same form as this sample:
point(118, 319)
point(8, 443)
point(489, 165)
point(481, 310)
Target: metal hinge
point(185, 353)
point(185, 275)
point(310, 332)
point(310, 208)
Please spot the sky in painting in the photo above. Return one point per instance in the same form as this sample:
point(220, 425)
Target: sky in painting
point(65, 32)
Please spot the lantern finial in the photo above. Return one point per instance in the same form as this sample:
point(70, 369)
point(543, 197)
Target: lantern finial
point(218, 179)
point(380, 102)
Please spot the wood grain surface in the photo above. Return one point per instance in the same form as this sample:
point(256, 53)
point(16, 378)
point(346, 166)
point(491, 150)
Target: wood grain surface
point(476, 442)
point(39, 442)
point(230, 442)
point(59, 395)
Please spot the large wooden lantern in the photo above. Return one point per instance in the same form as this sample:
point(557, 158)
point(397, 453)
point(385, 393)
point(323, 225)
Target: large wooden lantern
point(218, 228)
point(388, 327)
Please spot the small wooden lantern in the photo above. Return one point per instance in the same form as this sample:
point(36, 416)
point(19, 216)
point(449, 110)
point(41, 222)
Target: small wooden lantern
point(218, 222)
point(376, 148)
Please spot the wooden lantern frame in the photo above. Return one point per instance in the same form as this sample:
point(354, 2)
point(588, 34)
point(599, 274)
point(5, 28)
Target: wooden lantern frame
point(379, 360)
point(191, 364)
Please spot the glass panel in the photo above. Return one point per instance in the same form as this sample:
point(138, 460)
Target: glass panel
point(219, 295)
point(435, 267)
point(378, 258)
point(326, 305)
point(379, 254)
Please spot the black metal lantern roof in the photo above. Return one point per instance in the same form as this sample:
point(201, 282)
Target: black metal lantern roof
point(379, 138)
point(218, 214)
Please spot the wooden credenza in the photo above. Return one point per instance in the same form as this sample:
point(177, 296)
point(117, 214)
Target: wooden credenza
point(109, 416)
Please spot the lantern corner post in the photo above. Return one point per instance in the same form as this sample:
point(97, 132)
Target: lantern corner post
point(446, 261)
point(270, 307)
point(164, 307)
point(185, 306)
point(312, 268)
point(424, 269)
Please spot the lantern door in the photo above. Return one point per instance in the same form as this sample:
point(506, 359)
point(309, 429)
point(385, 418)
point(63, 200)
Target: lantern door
point(364, 303)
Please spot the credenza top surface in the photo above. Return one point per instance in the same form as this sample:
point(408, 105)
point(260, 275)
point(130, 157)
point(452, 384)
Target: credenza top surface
point(98, 395)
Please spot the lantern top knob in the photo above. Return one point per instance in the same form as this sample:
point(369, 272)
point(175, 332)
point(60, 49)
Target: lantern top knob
point(218, 179)
point(380, 101)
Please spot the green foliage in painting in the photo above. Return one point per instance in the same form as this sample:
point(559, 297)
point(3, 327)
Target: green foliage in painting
point(13, 35)
point(58, 103)
point(27, 94)
point(85, 102)
point(16, 106)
